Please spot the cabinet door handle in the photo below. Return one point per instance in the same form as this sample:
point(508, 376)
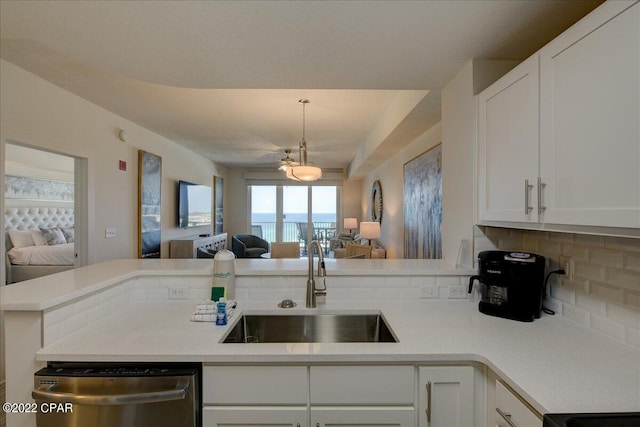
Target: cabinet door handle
point(527, 189)
point(507, 417)
point(428, 410)
point(541, 207)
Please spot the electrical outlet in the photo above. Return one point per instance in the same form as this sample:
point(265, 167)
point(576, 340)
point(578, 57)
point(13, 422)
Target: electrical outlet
point(109, 233)
point(429, 292)
point(457, 292)
point(178, 293)
point(566, 263)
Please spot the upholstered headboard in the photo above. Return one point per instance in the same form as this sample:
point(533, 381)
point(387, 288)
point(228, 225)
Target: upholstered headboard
point(26, 218)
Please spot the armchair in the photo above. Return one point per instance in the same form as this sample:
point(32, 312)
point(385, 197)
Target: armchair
point(248, 246)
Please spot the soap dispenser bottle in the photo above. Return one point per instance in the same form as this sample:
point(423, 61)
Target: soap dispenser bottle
point(221, 312)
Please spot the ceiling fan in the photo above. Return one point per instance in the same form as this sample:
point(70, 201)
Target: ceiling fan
point(287, 161)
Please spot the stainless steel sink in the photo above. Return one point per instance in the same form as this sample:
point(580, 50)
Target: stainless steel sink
point(297, 328)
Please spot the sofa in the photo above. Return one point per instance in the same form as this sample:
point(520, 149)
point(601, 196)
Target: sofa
point(338, 246)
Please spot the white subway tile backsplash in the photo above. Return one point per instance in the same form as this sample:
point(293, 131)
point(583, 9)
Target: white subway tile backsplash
point(608, 327)
point(98, 312)
point(605, 292)
point(563, 294)
point(592, 305)
point(449, 280)
point(73, 323)
point(59, 314)
point(632, 337)
point(421, 281)
point(589, 240)
point(624, 315)
point(608, 257)
point(578, 253)
point(561, 237)
point(631, 245)
point(577, 284)
point(632, 298)
point(626, 279)
point(576, 314)
point(631, 262)
point(590, 271)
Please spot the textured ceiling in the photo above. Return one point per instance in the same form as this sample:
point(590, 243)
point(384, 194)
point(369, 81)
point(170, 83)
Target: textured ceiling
point(223, 77)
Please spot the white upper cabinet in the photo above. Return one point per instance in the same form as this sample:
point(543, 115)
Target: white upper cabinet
point(508, 136)
point(559, 136)
point(590, 121)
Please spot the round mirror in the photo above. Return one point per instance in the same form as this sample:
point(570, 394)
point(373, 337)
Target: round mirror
point(376, 202)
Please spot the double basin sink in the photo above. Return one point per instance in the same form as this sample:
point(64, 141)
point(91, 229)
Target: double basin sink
point(311, 328)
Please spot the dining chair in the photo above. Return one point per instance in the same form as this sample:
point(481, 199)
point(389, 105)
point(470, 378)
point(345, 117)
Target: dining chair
point(285, 250)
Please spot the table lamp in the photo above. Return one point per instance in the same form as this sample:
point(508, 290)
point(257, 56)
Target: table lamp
point(350, 223)
point(370, 230)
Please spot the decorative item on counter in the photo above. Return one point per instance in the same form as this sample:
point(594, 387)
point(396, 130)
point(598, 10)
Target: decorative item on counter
point(224, 272)
point(207, 311)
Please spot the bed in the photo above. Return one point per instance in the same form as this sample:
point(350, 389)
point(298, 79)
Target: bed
point(38, 241)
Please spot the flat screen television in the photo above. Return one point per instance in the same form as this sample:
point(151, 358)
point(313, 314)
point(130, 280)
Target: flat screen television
point(194, 205)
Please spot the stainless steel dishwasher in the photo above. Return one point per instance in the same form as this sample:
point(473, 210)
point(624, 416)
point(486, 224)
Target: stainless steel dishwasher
point(122, 395)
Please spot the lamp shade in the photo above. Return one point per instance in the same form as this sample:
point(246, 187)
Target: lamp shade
point(370, 230)
point(351, 223)
point(304, 173)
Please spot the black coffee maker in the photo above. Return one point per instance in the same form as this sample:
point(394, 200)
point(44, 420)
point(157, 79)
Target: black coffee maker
point(511, 284)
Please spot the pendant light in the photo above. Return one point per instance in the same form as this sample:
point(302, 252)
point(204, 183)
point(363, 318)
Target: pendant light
point(303, 171)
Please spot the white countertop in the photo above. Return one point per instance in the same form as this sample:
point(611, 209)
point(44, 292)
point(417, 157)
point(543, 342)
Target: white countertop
point(557, 365)
point(46, 292)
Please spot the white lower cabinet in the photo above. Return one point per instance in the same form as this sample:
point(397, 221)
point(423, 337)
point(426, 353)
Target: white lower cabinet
point(362, 396)
point(363, 416)
point(511, 411)
point(339, 396)
point(446, 396)
point(244, 416)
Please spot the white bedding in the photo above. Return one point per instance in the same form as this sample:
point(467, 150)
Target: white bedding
point(43, 255)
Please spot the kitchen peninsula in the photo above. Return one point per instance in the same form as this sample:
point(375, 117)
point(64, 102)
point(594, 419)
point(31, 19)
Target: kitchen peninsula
point(120, 311)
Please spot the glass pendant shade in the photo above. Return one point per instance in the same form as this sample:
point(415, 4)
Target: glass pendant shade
point(304, 173)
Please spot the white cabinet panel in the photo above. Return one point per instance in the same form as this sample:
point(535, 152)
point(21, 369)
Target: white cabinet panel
point(363, 417)
point(362, 385)
point(255, 385)
point(254, 417)
point(508, 137)
point(445, 396)
point(590, 110)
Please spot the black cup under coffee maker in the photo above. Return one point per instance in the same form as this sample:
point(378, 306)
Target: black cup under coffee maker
point(511, 284)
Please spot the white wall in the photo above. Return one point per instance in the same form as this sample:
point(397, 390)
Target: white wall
point(458, 171)
point(40, 114)
point(391, 177)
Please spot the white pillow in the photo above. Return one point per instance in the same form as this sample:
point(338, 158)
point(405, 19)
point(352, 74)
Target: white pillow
point(53, 236)
point(20, 238)
point(38, 237)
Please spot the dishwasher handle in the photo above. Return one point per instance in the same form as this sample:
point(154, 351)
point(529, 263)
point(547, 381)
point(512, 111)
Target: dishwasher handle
point(47, 393)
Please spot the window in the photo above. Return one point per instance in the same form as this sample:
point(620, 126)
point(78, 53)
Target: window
point(295, 213)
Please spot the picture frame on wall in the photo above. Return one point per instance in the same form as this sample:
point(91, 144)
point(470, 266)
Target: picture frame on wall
point(218, 197)
point(422, 193)
point(149, 204)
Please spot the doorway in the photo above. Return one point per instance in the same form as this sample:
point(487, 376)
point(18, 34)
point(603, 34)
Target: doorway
point(43, 207)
